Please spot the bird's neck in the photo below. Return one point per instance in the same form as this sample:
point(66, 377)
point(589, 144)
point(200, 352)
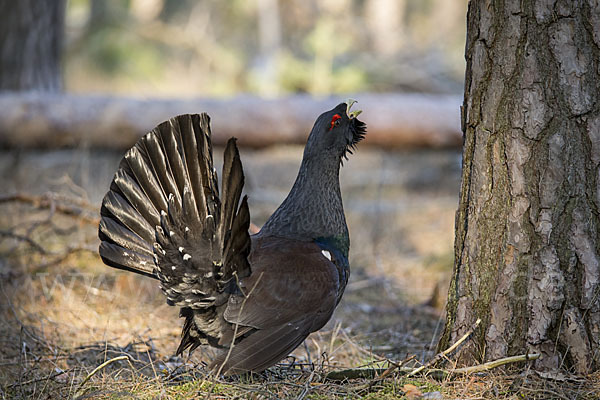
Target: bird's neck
point(313, 209)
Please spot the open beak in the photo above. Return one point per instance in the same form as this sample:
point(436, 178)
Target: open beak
point(351, 114)
point(358, 129)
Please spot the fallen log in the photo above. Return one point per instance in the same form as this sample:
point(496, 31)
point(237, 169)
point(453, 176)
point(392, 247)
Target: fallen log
point(42, 120)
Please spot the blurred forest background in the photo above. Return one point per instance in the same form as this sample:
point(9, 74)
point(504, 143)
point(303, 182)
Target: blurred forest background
point(82, 80)
point(126, 65)
point(185, 48)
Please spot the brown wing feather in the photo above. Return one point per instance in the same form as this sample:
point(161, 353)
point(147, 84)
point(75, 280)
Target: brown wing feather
point(292, 292)
point(290, 279)
point(263, 348)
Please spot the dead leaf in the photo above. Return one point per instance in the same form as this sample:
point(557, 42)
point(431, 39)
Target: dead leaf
point(554, 375)
point(411, 391)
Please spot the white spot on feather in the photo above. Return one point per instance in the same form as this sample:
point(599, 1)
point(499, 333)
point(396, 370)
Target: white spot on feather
point(181, 249)
point(186, 257)
point(125, 254)
point(326, 254)
point(173, 268)
point(163, 213)
point(143, 262)
point(187, 229)
point(171, 233)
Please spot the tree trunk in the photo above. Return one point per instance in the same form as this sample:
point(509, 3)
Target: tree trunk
point(269, 39)
point(527, 226)
point(31, 35)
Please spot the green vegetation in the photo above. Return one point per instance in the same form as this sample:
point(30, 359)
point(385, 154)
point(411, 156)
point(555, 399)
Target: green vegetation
point(267, 47)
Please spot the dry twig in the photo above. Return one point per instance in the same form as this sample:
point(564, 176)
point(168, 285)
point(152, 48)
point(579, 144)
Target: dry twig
point(29, 382)
point(449, 350)
point(77, 208)
point(38, 247)
point(98, 368)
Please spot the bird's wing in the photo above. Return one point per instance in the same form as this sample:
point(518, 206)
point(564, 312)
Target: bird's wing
point(263, 348)
point(290, 279)
point(292, 292)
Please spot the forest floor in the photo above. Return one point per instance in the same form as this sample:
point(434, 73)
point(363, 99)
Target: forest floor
point(63, 313)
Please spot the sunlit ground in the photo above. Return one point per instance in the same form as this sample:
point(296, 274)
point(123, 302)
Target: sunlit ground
point(399, 207)
point(64, 313)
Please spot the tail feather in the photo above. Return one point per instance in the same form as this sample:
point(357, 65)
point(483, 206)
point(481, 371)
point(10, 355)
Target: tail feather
point(190, 213)
point(126, 184)
point(237, 246)
point(192, 165)
point(156, 157)
point(124, 237)
point(115, 205)
point(141, 167)
point(163, 217)
point(116, 256)
point(235, 239)
point(233, 181)
point(171, 150)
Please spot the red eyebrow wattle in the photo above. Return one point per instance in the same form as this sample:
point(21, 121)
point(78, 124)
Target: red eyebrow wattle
point(333, 119)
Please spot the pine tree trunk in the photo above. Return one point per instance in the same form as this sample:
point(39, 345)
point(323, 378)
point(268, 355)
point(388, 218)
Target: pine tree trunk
point(31, 33)
point(527, 226)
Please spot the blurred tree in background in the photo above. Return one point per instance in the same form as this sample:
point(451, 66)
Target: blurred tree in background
point(185, 48)
point(31, 38)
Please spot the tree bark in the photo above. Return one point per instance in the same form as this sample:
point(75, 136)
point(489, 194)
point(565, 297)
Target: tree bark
point(527, 227)
point(31, 36)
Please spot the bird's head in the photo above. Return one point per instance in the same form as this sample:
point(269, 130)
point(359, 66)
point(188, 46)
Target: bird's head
point(336, 132)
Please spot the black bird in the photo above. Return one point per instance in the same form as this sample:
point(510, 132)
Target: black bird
point(255, 298)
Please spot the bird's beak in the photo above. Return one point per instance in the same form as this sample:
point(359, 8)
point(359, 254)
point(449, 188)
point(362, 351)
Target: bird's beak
point(351, 114)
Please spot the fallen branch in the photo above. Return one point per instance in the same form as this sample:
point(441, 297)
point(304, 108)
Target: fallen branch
point(438, 373)
point(37, 380)
point(58, 256)
point(355, 373)
point(494, 364)
point(49, 201)
point(38, 247)
point(396, 366)
point(449, 350)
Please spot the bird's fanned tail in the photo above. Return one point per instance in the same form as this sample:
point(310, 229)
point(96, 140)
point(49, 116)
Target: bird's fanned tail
point(163, 218)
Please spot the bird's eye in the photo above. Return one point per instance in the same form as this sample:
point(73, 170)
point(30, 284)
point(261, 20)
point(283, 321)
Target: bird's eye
point(335, 121)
